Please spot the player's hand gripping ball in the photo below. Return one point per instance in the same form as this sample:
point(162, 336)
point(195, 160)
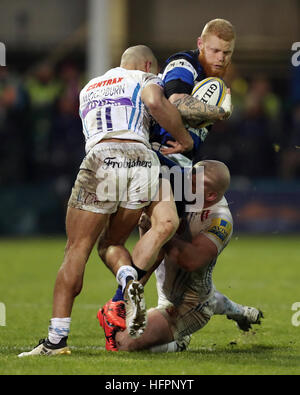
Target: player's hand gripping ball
point(212, 91)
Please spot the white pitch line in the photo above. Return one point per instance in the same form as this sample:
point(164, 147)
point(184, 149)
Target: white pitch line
point(37, 305)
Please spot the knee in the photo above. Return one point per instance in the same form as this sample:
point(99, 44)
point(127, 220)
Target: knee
point(167, 227)
point(102, 250)
point(125, 342)
point(70, 280)
point(72, 270)
point(77, 247)
point(77, 287)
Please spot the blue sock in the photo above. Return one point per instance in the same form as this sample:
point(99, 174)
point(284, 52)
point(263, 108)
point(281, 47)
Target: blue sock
point(118, 295)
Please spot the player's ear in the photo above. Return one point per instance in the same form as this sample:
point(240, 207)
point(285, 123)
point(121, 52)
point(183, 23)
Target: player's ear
point(200, 43)
point(148, 65)
point(211, 196)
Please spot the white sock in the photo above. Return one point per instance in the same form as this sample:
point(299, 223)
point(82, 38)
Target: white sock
point(226, 306)
point(123, 273)
point(168, 347)
point(58, 328)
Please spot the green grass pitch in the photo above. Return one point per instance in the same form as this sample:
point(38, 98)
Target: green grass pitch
point(255, 271)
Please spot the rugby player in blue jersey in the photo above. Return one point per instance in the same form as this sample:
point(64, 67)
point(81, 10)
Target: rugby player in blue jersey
point(180, 73)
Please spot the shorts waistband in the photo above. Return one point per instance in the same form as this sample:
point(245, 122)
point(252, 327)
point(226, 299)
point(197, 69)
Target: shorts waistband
point(127, 146)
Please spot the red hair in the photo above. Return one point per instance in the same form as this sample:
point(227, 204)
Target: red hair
point(220, 28)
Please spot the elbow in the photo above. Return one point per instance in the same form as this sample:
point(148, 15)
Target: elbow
point(154, 106)
point(176, 98)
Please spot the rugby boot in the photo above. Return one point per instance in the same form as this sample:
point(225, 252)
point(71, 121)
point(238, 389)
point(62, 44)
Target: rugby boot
point(136, 314)
point(183, 342)
point(250, 316)
point(45, 347)
point(115, 313)
point(110, 331)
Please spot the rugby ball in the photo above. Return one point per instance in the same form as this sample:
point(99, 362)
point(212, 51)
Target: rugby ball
point(211, 91)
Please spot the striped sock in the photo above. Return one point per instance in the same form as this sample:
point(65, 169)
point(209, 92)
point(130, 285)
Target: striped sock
point(58, 328)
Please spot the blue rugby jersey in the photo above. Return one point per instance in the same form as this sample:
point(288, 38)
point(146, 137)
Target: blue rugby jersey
point(180, 73)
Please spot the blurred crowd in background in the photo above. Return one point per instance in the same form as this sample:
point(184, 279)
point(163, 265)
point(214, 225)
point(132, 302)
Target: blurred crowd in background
point(40, 127)
point(42, 143)
point(262, 137)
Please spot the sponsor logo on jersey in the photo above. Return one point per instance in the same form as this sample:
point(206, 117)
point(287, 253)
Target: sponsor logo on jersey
point(115, 163)
point(220, 228)
point(111, 81)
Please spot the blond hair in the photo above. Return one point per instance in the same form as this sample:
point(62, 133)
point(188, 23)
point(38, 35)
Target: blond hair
point(220, 28)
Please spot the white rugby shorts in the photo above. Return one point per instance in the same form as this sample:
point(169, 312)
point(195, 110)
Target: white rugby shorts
point(116, 175)
point(189, 316)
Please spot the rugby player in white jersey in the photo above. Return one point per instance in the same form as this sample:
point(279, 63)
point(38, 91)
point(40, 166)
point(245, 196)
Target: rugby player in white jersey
point(187, 296)
point(115, 109)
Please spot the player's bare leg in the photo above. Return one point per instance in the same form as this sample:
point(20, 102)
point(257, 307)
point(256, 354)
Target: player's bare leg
point(112, 250)
point(157, 332)
point(111, 245)
point(164, 223)
point(83, 229)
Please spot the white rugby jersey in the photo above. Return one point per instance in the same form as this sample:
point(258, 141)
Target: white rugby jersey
point(110, 106)
point(176, 285)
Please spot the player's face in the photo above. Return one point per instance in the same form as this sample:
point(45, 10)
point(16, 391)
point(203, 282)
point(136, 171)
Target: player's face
point(209, 194)
point(197, 185)
point(215, 55)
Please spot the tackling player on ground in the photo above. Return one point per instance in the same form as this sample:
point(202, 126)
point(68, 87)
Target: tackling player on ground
point(187, 296)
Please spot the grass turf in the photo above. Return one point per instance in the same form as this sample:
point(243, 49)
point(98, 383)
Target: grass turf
point(255, 271)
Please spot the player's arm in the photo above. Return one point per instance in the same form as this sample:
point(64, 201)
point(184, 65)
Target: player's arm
point(194, 111)
point(193, 255)
point(166, 114)
point(179, 79)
